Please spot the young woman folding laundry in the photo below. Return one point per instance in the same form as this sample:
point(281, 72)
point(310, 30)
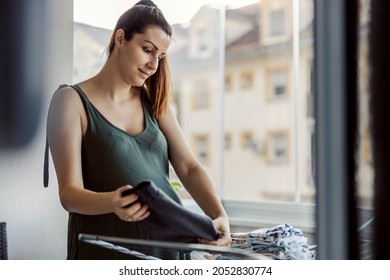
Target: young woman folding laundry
point(110, 132)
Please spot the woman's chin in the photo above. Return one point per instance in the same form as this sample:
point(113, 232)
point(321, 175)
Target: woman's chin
point(138, 83)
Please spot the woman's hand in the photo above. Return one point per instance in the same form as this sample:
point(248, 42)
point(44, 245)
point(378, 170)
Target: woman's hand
point(221, 224)
point(128, 208)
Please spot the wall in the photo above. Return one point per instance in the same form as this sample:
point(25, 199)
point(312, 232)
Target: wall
point(36, 222)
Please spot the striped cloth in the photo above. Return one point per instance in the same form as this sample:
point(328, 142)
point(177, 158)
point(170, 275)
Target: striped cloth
point(279, 242)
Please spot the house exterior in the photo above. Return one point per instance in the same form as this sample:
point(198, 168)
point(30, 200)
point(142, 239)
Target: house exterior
point(267, 126)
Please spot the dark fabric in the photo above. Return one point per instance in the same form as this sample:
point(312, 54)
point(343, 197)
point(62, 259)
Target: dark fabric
point(112, 158)
point(3, 241)
point(170, 221)
point(379, 116)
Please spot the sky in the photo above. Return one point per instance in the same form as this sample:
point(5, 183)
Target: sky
point(104, 13)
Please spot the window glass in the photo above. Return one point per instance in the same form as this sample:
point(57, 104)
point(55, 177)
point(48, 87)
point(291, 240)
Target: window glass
point(246, 80)
point(278, 148)
point(246, 140)
point(274, 135)
point(277, 80)
point(202, 42)
point(201, 146)
point(228, 83)
point(251, 138)
point(201, 99)
point(276, 23)
point(255, 141)
point(228, 141)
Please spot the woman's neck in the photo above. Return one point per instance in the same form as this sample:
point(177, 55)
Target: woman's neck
point(108, 83)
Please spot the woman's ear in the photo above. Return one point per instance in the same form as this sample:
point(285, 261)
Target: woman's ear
point(120, 38)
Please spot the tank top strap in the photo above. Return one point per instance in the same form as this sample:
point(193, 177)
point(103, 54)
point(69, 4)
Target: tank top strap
point(82, 95)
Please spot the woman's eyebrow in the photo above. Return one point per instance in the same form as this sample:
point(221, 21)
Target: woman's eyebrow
point(152, 44)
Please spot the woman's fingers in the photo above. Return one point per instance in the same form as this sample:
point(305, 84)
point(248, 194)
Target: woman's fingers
point(127, 206)
point(136, 212)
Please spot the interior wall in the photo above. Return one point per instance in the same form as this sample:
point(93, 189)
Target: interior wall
point(36, 221)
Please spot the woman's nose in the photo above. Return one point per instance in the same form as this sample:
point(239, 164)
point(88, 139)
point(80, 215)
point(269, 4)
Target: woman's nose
point(153, 64)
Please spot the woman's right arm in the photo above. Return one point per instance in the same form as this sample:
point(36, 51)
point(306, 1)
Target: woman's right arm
point(67, 123)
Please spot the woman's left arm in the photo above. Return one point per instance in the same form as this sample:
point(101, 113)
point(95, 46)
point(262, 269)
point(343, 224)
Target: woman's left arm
point(194, 177)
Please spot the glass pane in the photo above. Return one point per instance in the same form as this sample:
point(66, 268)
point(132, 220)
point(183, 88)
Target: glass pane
point(274, 166)
point(276, 23)
point(195, 72)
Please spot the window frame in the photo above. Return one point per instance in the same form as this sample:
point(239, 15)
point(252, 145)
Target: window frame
point(202, 136)
point(269, 146)
point(269, 90)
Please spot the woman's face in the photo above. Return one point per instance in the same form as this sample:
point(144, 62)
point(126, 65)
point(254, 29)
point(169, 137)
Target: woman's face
point(139, 57)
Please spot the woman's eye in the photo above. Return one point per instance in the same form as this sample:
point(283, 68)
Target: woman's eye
point(147, 50)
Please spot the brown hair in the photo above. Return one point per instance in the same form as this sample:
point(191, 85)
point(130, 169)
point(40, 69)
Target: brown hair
point(136, 20)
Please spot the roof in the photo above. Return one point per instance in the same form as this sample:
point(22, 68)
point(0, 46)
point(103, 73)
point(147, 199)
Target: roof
point(100, 35)
point(248, 41)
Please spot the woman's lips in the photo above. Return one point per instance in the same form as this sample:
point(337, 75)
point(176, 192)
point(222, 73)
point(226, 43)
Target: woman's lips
point(143, 74)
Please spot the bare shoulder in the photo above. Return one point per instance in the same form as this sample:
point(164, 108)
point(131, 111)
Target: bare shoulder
point(65, 95)
point(66, 101)
point(169, 124)
point(66, 106)
point(168, 121)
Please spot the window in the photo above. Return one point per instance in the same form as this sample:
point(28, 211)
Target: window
point(228, 141)
point(277, 84)
point(246, 80)
point(276, 24)
point(201, 148)
point(257, 160)
point(246, 139)
point(278, 143)
point(202, 41)
point(228, 82)
point(201, 95)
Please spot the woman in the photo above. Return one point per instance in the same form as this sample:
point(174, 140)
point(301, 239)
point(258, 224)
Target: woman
point(112, 131)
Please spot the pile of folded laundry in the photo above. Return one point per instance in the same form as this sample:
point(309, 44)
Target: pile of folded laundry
point(280, 242)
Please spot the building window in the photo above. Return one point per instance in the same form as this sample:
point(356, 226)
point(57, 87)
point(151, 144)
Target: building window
point(202, 40)
point(228, 82)
point(246, 80)
point(277, 84)
point(228, 141)
point(246, 139)
point(278, 143)
point(201, 148)
point(201, 95)
point(276, 24)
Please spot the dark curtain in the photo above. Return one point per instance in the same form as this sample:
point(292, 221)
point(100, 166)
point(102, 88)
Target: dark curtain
point(351, 111)
point(379, 46)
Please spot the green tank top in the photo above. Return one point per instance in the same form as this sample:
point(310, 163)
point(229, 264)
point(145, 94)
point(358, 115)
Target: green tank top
point(112, 158)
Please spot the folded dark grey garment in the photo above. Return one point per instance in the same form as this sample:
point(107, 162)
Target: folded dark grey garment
point(170, 221)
